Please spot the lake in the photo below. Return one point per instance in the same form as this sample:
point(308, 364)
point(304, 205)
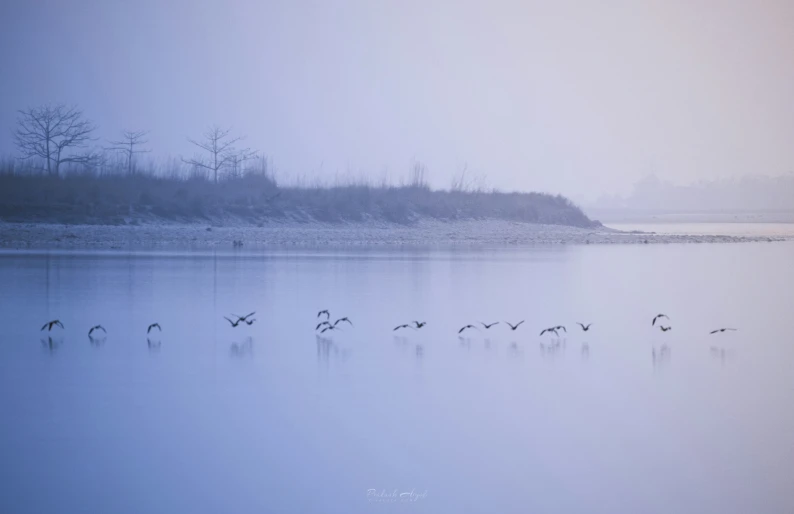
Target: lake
point(203, 417)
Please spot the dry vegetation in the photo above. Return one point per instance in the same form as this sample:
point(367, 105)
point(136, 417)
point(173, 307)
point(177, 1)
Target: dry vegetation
point(109, 195)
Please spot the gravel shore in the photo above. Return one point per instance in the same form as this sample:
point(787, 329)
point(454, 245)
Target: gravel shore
point(425, 233)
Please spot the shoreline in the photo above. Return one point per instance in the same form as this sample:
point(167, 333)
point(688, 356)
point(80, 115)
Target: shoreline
point(425, 233)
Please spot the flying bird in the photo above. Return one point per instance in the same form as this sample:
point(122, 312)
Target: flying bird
point(153, 325)
point(558, 327)
point(584, 327)
point(464, 328)
point(321, 324)
point(233, 323)
point(657, 317)
point(250, 322)
point(97, 327)
point(403, 326)
point(343, 319)
point(243, 318)
point(549, 330)
point(329, 327)
point(513, 327)
point(665, 329)
point(489, 326)
point(722, 330)
point(51, 324)
point(327, 314)
point(420, 324)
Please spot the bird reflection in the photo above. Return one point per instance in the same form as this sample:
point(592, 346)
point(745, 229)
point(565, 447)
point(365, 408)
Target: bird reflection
point(719, 353)
point(660, 357)
point(97, 341)
point(153, 344)
point(244, 349)
point(51, 344)
point(585, 351)
point(326, 348)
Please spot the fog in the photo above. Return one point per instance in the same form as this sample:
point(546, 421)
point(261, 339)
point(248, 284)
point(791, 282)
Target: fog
point(565, 97)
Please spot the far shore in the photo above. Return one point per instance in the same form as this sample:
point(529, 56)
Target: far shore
point(425, 233)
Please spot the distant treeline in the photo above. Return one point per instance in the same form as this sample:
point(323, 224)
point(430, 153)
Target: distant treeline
point(750, 193)
point(105, 195)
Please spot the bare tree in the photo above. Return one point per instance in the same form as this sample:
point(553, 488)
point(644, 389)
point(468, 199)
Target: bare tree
point(221, 150)
point(128, 143)
point(54, 133)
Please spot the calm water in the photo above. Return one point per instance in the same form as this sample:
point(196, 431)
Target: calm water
point(269, 418)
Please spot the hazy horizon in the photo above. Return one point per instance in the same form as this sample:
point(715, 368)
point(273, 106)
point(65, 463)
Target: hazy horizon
point(566, 98)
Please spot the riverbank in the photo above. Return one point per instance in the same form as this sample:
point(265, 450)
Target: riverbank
point(423, 233)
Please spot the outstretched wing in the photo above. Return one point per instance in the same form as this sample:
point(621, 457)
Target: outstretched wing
point(462, 329)
point(544, 331)
point(230, 321)
point(345, 319)
point(59, 323)
point(519, 323)
point(714, 331)
point(44, 326)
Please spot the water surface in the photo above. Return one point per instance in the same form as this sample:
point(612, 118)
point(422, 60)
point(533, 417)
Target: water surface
point(271, 418)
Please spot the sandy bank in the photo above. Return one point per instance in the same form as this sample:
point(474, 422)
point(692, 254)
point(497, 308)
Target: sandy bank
point(425, 233)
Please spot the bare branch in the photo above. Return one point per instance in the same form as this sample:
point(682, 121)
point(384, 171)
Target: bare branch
point(54, 133)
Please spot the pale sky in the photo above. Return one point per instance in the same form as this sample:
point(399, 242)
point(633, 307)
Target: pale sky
point(576, 97)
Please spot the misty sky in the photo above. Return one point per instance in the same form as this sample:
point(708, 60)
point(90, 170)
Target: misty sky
point(578, 97)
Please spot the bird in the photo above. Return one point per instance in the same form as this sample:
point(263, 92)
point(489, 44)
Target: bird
point(584, 327)
point(250, 322)
point(329, 327)
point(487, 326)
point(420, 324)
point(51, 324)
point(321, 324)
point(560, 327)
point(233, 323)
point(152, 326)
point(513, 327)
point(97, 327)
point(464, 328)
point(403, 326)
point(327, 314)
point(722, 330)
point(243, 318)
point(665, 329)
point(343, 319)
point(657, 317)
point(550, 330)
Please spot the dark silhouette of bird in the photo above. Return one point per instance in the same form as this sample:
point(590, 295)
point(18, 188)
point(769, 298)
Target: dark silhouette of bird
point(327, 314)
point(464, 328)
point(233, 323)
point(584, 327)
point(343, 319)
point(153, 325)
point(97, 327)
point(549, 330)
point(329, 327)
point(403, 326)
point(420, 324)
point(243, 318)
point(487, 326)
point(250, 322)
point(558, 327)
point(665, 329)
point(51, 324)
point(722, 330)
point(514, 327)
point(658, 316)
point(321, 324)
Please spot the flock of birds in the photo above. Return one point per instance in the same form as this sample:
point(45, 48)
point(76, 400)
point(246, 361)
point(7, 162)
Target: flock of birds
point(325, 325)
